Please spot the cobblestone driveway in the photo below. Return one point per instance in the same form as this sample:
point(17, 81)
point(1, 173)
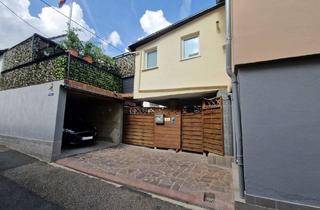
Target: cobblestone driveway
point(183, 172)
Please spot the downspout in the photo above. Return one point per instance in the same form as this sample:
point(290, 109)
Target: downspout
point(237, 135)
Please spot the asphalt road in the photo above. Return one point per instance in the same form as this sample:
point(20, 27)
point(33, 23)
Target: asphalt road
point(26, 183)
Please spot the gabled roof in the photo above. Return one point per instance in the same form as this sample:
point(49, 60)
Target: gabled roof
point(172, 27)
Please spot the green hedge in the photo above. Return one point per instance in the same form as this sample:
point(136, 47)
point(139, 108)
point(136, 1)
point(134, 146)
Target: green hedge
point(18, 55)
point(36, 73)
point(81, 71)
point(55, 69)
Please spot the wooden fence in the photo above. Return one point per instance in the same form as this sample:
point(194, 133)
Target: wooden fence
point(138, 128)
point(200, 131)
point(168, 135)
point(192, 132)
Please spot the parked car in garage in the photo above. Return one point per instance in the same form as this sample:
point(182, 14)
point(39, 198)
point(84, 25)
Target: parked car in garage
point(79, 132)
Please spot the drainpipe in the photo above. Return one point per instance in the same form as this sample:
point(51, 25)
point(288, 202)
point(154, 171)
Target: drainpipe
point(237, 135)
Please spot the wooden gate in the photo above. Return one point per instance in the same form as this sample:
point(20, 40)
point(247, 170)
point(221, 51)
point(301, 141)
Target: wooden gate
point(168, 135)
point(199, 130)
point(192, 130)
point(138, 127)
point(212, 115)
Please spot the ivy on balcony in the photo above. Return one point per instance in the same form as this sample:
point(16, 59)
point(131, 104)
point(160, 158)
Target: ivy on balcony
point(38, 60)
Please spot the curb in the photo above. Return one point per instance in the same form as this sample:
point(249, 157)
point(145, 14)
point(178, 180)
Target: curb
point(138, 184)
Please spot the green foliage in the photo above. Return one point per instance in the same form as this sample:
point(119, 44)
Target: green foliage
point(60, 67)
point(101, 59)
point(37, 73)
point(72, 41)
point(18, 55)
point(56, 69)
point(92, 75)
point(87, 48)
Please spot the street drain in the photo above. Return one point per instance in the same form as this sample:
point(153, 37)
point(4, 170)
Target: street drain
point(209, 197)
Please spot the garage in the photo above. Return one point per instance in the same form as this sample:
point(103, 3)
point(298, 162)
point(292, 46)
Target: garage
point(91, 122)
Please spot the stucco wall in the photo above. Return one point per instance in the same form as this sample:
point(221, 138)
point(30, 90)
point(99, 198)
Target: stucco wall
point(174, 76)
point(105, 115)
point(280, 115)
point(28, 115)
point(267, 30)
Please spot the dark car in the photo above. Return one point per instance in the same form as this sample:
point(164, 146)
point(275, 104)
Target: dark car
point(79, 132)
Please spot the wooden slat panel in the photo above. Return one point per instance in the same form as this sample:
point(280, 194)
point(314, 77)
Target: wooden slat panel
point(139, 129)
point(190, 138)
point(168, 135)
point(213, 139)
point(195, 132)
point(192, 132)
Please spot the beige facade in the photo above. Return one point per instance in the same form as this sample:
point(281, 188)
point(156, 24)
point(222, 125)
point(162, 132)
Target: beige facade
point(273, 29)
point(173, 75)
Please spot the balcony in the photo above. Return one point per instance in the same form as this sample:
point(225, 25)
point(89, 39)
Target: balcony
point(46, 62)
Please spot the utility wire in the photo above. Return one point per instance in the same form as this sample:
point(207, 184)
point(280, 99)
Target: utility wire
point(86, 29)
point(35, 28)
point(26, 22)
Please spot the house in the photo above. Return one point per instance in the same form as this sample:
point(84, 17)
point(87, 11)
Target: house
point(182, 67)
point(186, 58)
point(275, 54)
point(41, 86)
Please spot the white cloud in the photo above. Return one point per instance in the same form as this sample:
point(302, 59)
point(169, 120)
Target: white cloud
point(153, 21)
point(50, 22)
point(114, 39)
point(185, 8)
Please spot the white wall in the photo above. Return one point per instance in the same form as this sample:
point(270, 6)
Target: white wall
point(175, 76)
point(28, 118)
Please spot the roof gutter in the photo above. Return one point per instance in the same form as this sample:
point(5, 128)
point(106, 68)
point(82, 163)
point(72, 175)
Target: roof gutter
point(237, 134)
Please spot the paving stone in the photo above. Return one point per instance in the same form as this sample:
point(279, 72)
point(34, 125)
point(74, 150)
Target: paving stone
point(182, 172)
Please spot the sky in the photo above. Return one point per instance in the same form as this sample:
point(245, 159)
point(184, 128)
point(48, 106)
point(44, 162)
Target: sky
point(118, 23)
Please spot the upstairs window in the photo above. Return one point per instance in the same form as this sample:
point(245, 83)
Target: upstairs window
point(190, 46)
point(151, 59)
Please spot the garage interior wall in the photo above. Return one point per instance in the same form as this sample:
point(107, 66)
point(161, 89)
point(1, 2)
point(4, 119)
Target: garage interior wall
point(28, 118)
point(105, 114)
point(280, 114)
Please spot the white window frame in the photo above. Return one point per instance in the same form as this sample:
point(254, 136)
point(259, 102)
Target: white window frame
point(146, 67)
point(186, 38)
